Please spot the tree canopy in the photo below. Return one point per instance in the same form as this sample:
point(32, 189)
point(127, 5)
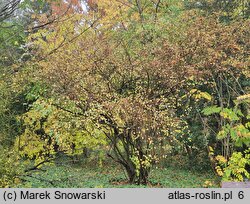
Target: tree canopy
point(140, 81)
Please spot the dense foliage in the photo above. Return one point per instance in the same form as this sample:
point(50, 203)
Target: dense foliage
point(141, 82)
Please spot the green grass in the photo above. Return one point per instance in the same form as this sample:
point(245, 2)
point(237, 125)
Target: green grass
point(110, 176)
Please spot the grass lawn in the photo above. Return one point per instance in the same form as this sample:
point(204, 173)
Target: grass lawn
point(109, 176)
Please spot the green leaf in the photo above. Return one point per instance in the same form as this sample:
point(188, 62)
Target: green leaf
point(229, 114)
point(211, 110)
point(233, 134)
point(222, 134)
point(228, 172)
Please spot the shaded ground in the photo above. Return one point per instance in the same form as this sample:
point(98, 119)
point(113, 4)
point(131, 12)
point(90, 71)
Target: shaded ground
point(82, 176)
